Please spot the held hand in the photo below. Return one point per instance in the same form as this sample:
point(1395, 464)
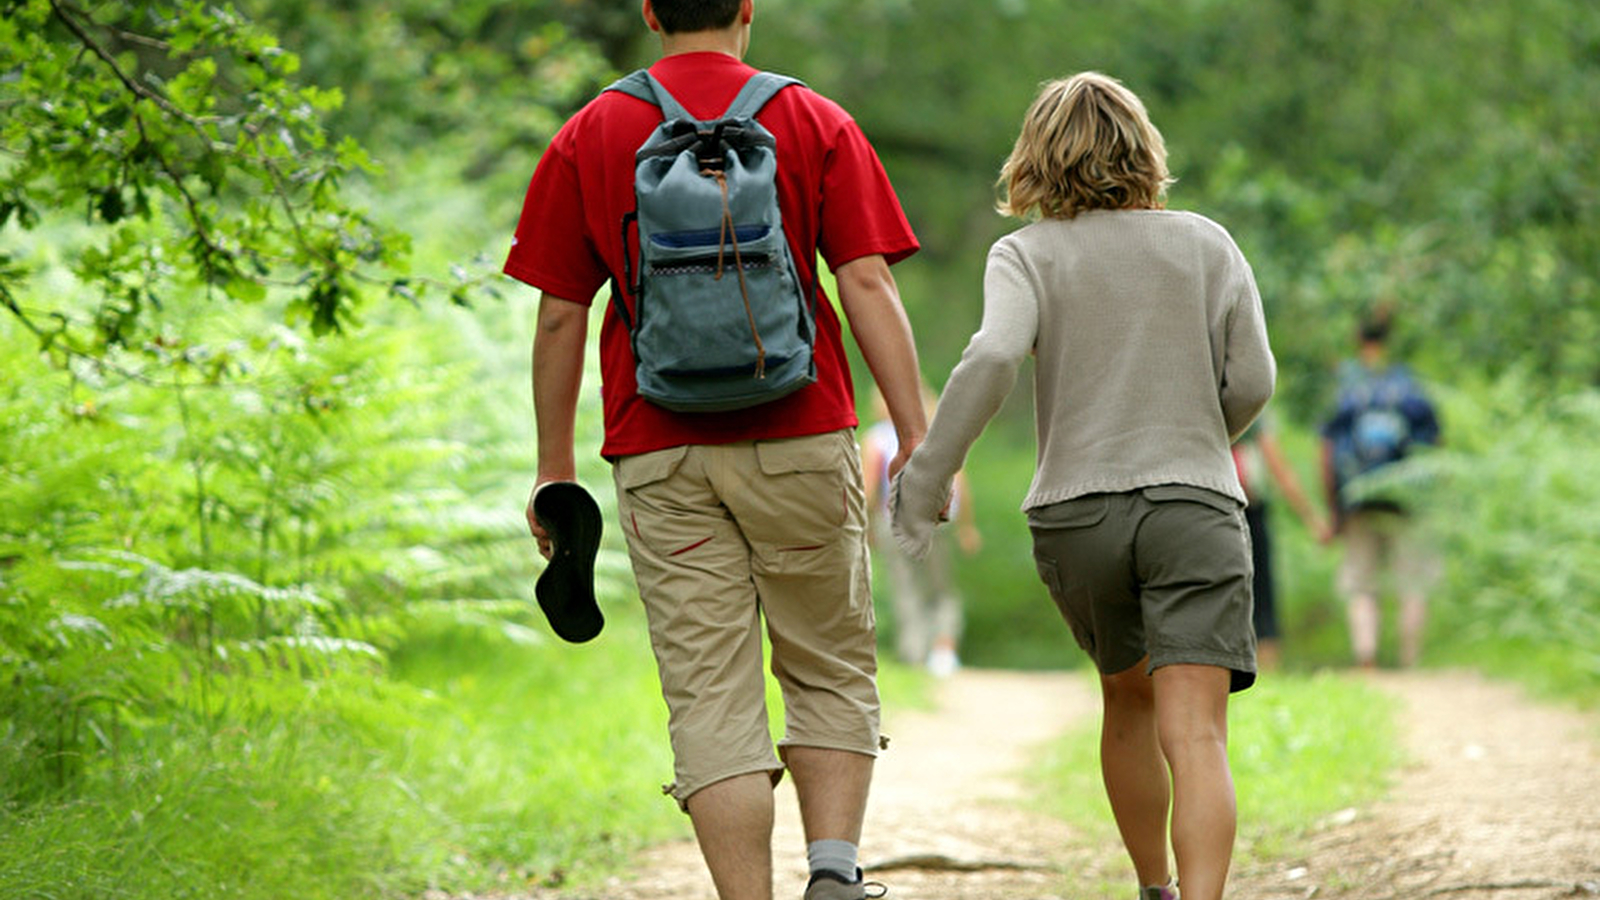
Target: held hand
point(899, 461)
point(916, 510)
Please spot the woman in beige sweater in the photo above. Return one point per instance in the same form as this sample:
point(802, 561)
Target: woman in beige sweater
point(1150, 358)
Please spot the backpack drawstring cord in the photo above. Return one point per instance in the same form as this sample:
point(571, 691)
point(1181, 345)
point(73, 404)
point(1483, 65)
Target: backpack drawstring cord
point(728, 235)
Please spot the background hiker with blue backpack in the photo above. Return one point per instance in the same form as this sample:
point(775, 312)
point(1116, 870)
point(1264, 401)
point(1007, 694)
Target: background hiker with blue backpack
point(703, 192)
point(1381, 416)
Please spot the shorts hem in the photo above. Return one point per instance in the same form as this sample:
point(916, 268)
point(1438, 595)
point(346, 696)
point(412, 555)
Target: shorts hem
point(681, 790)
point(1242, 668)
point(848, 746)
point(1113, 667)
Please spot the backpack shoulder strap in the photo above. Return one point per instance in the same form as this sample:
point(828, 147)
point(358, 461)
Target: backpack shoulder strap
point(761, 87)
point(634, 84)
point(641, 84)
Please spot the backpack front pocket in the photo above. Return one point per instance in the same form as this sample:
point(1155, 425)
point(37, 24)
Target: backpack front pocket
point(721, 319)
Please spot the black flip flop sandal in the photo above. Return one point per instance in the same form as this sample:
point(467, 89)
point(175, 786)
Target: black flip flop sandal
point(566, 586)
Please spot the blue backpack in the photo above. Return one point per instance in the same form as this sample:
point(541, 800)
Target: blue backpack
point(1381, 416)
point(719, 319)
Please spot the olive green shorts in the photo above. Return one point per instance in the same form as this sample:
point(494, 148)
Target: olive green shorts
point(1161, 571)
point(725, 539)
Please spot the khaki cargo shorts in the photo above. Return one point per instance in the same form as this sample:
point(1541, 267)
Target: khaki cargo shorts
point(1162, 570)
point(724, 537)
point(1380, 542)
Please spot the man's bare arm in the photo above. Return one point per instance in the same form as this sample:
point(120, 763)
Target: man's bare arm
point(871, 302)
point(558, 347)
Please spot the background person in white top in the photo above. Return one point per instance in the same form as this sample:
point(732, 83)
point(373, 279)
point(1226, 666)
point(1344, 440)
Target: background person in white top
point(1150, 358)
point(927, 619)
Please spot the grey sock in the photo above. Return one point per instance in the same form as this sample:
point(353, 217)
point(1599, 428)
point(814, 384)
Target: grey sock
point(838, 857)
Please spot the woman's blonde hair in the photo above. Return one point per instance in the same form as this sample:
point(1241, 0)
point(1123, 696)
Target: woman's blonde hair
point(1086, 143)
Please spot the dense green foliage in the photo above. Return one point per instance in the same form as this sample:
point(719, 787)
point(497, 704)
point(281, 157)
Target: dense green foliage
point(1514, 502)
point(175, 129)
point(1437, 156)
point(263, 578)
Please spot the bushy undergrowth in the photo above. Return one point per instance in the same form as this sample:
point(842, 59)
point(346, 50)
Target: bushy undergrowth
point(1515, 501)
point(479, 762)
point(207, 565)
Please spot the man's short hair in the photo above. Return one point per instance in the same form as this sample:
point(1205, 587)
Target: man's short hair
point(680, 16)
point(1086, 143)
point(1373, 327)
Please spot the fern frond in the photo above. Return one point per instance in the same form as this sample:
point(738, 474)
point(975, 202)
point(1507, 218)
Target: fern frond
point(193, 588)
point(305, 654)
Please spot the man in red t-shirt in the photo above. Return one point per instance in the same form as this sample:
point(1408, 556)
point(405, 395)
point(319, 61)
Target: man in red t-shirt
point(735, 517)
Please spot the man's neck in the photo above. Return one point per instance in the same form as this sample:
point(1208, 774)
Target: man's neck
point(730, 41)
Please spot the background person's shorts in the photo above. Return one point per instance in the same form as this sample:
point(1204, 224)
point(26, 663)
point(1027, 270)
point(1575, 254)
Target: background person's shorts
point(1379, 542)
point(723, 535)
point(1162, 570)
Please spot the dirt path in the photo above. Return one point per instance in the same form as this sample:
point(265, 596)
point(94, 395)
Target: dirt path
point(1501, 802)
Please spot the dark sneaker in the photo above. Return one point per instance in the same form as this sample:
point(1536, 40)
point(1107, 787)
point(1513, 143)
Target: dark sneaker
point(566, 586)
point(830, 886)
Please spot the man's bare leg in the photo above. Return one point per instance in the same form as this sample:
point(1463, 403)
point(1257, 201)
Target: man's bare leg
point(832, 786)
point(733, 823)
point(1413, 621)
point(1363, 615)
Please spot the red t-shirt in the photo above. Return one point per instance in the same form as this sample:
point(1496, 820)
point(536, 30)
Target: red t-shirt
point(832, 191)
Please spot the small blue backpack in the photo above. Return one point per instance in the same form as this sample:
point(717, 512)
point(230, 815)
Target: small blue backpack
point(719, 319)
point(1382, 416)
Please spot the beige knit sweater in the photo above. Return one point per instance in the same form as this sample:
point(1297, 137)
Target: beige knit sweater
point(1150, 358)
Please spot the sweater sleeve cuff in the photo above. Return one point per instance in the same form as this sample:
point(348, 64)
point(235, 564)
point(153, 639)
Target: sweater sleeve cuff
point(917, 505)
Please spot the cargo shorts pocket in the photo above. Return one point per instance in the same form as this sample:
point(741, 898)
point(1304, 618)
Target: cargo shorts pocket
point(813, 481)
point(817, 453)
point(1184, 493)
point(1073, 614)
point(647, 503)
point(1079, 512)
point(649, 468)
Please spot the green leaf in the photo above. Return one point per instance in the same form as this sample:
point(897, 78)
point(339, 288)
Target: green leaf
point(246, 290)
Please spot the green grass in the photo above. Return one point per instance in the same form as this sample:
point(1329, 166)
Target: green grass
point(1301, 748)
point(293, 798)
point(1547, 670)
point(552, 765)
point(1305, 747)
point(478, 763)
